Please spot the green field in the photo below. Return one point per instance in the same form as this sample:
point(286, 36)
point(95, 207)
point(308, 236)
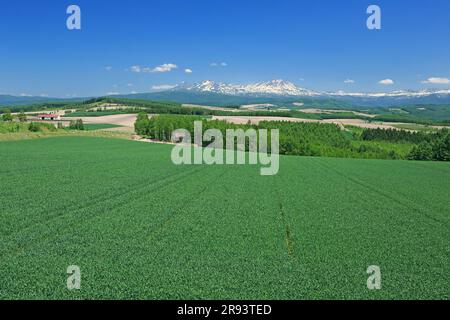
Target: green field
point(99, 126)
point(140, 227)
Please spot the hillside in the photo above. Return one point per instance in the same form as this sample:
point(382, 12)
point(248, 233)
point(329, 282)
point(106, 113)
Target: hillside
point(13, 101)
point(140, 227)
point(176, 103)
point(280, 91)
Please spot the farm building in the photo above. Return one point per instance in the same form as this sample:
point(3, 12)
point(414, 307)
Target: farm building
point(50, 117)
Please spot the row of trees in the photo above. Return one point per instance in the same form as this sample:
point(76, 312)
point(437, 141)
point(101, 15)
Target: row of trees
point(393, 135)
point(42, 126)
point(296, 138)
point(39, 126)
point(7, 116)
point(313, 139)
point(437, 150)
point(428, 146)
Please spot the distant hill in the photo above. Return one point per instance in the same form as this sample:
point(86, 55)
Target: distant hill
point(283, 93)
point(221, 100)
point(277, 92)
point(395, 100)
point(10, 100)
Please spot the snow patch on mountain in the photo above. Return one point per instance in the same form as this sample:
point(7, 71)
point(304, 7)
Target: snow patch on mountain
point(285, 88)
point(274, 87)
point(393, 94)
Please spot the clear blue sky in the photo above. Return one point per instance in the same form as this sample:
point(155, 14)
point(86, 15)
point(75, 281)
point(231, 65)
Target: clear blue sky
point(316, 44)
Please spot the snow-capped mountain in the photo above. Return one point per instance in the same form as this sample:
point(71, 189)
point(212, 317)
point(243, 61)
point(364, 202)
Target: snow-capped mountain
point(393, 94)
point(219, 93)
point(286, 88)
point(274, 87)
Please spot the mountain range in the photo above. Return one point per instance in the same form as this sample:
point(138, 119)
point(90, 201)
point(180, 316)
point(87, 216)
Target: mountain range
point(286, 88)
point(269, 88)
point(275, 91)
point(284, 91)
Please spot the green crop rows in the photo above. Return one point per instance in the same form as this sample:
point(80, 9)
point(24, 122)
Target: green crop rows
point(99, 126)
point(140, 227)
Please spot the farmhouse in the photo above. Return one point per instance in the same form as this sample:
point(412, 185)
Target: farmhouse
point(50, 117)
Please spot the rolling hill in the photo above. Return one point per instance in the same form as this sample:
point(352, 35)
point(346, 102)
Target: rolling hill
point(10, 100)
point(279, 92)
point(140, 227)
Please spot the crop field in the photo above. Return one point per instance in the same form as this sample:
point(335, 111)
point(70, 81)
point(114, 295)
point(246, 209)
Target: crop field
point(140, 227)
point(99, 126)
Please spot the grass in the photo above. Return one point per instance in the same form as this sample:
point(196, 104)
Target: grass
point(27, 135)
point(140, 227)
point(100, 126)
point(13, 127)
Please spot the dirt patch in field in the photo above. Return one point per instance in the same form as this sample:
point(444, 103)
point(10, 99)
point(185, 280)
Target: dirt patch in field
point(124, 120)
point(341, 122)
point(359, 123)
point(326, 111)
point(210, 107)
point(257, 107)
point(257, 120)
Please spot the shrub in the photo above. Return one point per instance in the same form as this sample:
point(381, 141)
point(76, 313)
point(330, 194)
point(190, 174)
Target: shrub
point(22, 117)
point(421, 152)
point(10, 127)
point(141, 124)
point(7, 116)
point(41, 127)
point(76, 125)
point(33, 127)
point(438, 149)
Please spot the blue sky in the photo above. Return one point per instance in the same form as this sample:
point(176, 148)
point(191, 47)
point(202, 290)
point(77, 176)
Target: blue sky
point(316, 44)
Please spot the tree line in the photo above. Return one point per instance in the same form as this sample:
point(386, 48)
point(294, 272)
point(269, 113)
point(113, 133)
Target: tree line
point(428, 146)
point(311, 139)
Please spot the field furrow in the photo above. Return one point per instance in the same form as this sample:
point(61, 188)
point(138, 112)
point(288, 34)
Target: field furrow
point(140, 227)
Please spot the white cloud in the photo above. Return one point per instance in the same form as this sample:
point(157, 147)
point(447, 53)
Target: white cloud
point(133, 92)
point(130, 84)
point(349, 81)
point(25, 95)
point(436, 80)
point(163, 87)
point(217, 64)
point(166, 67)
point(136, 69)
point(44, 95)
point(386, 82)
point(108, 68)
point(188, 70)
point(112, 93)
